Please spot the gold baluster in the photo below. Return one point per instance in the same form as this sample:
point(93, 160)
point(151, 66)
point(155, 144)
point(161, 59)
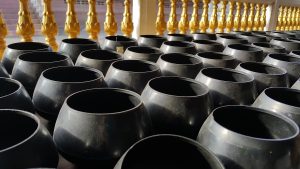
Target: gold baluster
point(172, 22)
point(244, 17)
point(293, 20)
point(263, 17)
point(257, 18)
point(183, 25)
point(92, 26)
point(298, 19)
point(25, 27)
point(288, 19)
point(237, 17)
point(3, 34)
point(160, 20)
point(49, 27)
point(222, 21)
point(213, 23)
point(279, 20)
point(250, 22)
point(284, 21)
point(127, 25)
point(204, 18)
point(229, 20)
point(194, 22)
point(72, 27)
point(110, 24)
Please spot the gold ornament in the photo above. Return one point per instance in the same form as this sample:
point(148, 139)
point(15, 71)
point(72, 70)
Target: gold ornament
point(279, 20)
point(3, 34)
point(257, 18)
point(72, 27)
point(172, 22)
point(194, 22)
point(237, 17)
point(183, 24)
point(213, 23)
point(92, 26)
point(263, 21)
point(250, 22)
point(160, 20)
point(110, 24)
point(127, 25)
point(204, 18)
point(25, 27)
point(284, 19)
point(229, 20)
point(222, 21)
point(244, 17)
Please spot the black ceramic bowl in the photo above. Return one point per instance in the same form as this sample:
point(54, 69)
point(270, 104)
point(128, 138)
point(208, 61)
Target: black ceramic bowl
point(151, 40)
point(178, 47)
point(287, 44)
point(253, 38)
point(179, 37)
point(216, 59)
point(208, 45)
point(268, 48)
point(142, 53)
point(230, 39)
point(118, 43)
point(244, 53)
point(204, 36)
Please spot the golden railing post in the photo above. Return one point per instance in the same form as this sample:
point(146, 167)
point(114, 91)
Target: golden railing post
point(298, 19)
point(72, 27)
point(183, 24)
point(160, 20)
point(250, 22)
point(237, 17)
point(213, 23)
point(3, 34)
point(279, 20)
point(49, 26)
point(229, 20)
point(222, 21)
point(194, 22)
point(244, 17)
point(263, 18)
point(293, 20)
point(204, 23)
point(127, 25)
point(25, 27)
point(284, 21)
point(257, 18)
point(288, 19)
point(110, 24)
point(172, 22)
point(92, 26)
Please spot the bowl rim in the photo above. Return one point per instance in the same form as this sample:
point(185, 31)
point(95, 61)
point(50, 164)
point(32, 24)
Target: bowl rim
point(283, 88)
point(40, 43)
point(156, 50)
point(11, 81)
point(81, 44)
point(178, 64)
point(228, 57)
point(283, 71)
point(119, 56)
point(232, 47)
point(41, 52)
point(136, 60)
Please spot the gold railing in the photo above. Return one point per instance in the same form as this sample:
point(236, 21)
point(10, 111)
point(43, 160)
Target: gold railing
point(225, 16)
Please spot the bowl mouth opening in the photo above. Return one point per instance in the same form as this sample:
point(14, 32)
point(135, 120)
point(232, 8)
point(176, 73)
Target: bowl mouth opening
point(182, 44)
point(168, 150)
point(259, 32)
point(177, 34)
point(284, 57)
point(43, 57)
point(209, 42)
point(72, 74)
point(137, 66)
point(243, 47)
point(79, 41)
point(112, 100)
point(178, 86)
point(152, 36)
point(215, 55)
point(284, 95)
point(267, 45)
point(227, 75)
point(144, 50)
point(230, 37)
point(119, 38)
point(283, 40)
point(180, 59)
point(262, 68)
point(201, 33)
point(255, 123)
point(15, 135)
point(296, 52)
point(28, 46)
point(99, 54)
point(9, 87)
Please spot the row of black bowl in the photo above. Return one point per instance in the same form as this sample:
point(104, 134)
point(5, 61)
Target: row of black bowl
point(100, 124)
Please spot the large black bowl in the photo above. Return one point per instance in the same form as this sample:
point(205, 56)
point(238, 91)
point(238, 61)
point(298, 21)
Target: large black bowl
point(142, 53)
point(151, 40)
point(118, 43)
point(216, 59)
point(178, 47)
point(244, 53)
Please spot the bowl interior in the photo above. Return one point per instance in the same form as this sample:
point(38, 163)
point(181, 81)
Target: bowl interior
point(284, 57)
point(261, 68)
point(101, 55)
point(15, 128)
point(42, 57)
point(265, 45)
point(152, 36)
point(178, 44)
point(165, 152)
point(214, 55)
point(143, 49)
point(28, 46)
point(226, 75)
point(8, 87)
point(284, 95)
point(177, 86)
point(118, 38)
point(254, 122)
point(228, 37)
point(134, 66)
point(296, 52)
point(205, 42)
point(103, 101)
point(176, 34)
point(243, 47)
point(71, 74)
point(179, 58)
point(79, 41)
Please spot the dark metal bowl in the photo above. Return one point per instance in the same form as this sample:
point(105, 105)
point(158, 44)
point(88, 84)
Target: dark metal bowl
point(176, 105)
point(240, 33)
point(252, 38)
point(115, 42)
point(3, 72)
point(295, 53)
point(283, 35)
point(259, 32)
point(142, 53)
point(265, 75)
point(208, 45)
point(29, 66)
point(244, 53)
point(287, 44)
point(131, 74)
point(151, 40)
point(179, 64)
point(56, 84)
point(216, 59)
point(246, 138)
point(15, 49)
point(104, 124)
point(204, 36)
point(179, 37)
point(14, 96)
point(98, 59)
point(230, 39)
point(168, 151)
point(178, 47)
point(268, 48)
point(73, 47)
point(25, 142)
point(228, 86)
